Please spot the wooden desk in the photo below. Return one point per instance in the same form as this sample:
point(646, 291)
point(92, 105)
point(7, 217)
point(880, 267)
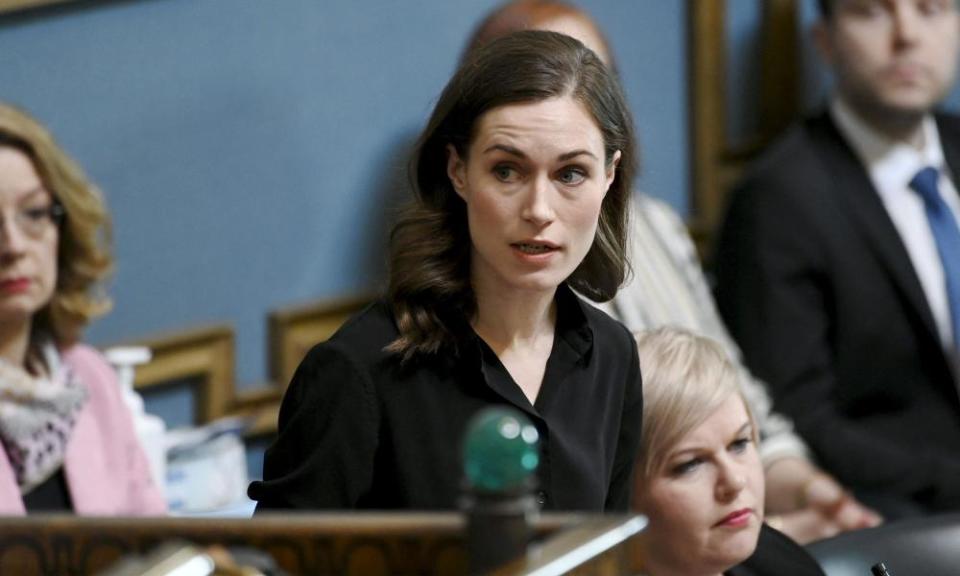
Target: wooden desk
point(351, 544)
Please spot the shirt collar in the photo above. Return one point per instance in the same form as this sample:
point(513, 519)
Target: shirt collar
point(573, 325)
point(573, 341)
point(891, 164)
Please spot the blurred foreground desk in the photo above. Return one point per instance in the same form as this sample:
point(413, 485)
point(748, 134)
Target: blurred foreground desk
point(353, 544)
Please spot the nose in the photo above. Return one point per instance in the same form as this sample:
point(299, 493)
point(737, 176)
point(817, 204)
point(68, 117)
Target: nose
point(12, 240)
point(537, 206)
point(731, 480)
point(905, 23)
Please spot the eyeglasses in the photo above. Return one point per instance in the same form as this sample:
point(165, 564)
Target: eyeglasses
point(35, 221)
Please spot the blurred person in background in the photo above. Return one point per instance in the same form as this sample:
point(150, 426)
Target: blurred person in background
point(67, 442)
point(838, 263)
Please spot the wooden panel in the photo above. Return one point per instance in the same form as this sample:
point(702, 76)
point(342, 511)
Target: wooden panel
point(202, 355)
point(367, 544)
point(261, 407)
point(294, 330)
point(612, 545)
point(780, 68)
point(717, 163)
point(707, 107)
point(13, 5)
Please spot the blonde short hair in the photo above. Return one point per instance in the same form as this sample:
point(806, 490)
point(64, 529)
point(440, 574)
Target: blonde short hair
point(84, 259)
point(686, 378)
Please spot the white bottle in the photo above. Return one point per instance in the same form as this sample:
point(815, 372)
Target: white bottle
point(151, 430)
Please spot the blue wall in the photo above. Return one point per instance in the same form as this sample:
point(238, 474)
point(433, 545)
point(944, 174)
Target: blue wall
point(248, 149)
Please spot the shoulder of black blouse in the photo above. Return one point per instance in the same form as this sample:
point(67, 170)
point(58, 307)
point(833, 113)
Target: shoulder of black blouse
point(362, 341)
point(374, 320)
point(601, 326)
point(777, 555)
point(364, 335)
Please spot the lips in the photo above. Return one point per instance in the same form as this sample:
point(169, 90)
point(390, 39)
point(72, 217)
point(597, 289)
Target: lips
point(535, 247)
point(14, 285)
point(736, 518)
point(905, 71)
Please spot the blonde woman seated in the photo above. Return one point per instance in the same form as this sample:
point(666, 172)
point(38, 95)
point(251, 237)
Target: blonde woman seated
point(67, 442)
point(699, 478)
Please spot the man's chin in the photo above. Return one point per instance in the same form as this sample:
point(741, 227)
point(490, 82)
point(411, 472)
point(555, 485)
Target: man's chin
point(894, 113)
point(909, 102)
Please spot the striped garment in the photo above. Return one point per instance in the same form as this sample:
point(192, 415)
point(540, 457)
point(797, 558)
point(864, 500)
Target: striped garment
point(668, 287)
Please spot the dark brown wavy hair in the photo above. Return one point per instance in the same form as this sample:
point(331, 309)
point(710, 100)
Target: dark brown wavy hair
point(84, 259)
point(429, 285)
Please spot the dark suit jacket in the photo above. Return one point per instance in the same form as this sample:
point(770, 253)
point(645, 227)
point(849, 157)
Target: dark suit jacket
point(817, 288)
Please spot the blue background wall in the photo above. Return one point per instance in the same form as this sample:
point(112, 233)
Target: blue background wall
point(249, 149)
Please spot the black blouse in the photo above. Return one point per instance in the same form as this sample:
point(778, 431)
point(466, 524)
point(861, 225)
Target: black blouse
point(52, 495)
point(357, 430)
point(777, 555)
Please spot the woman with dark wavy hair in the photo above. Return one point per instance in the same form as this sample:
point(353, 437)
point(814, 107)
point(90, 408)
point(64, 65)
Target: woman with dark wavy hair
point(522, 179)
point(668, 288)
point(67, 441)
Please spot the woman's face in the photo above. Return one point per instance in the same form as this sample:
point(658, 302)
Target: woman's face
point(533, 180)
point(705, 506)
point(28, 239)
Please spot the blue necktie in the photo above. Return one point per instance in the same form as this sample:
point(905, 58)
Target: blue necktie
point(947, 235)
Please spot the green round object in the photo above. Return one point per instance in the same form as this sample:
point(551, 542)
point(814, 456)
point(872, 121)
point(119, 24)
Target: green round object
point(500, 449)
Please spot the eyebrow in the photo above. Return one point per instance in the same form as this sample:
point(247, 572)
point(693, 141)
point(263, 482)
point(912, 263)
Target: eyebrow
point(30, 193)
point(520, 154)
point(746, 426)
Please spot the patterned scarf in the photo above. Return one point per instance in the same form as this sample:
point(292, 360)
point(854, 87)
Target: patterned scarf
point(37, 414)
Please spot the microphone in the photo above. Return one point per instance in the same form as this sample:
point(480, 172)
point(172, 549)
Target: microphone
point(500, 459)
point(879, 569)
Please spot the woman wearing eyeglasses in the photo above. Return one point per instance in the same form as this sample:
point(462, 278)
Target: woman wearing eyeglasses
point(67, 442)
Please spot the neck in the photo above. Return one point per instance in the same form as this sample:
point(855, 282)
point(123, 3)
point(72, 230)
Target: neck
point(515, 319)
point(906, 130)
point(654, 565)
point(650, 569)
point(14, 342)
point(897, 125)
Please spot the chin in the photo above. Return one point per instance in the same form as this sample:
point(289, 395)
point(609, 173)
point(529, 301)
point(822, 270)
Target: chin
point(742, 545)
point(535, 287)
point(540, 281)
point(15, 306)
point(911, 107)
point(917, 101)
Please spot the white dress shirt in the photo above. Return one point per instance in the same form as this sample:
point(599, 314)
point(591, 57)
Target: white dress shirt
point(892, 165)
point(668, 288)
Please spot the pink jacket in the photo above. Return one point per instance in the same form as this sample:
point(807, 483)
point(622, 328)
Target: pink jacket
point(105, 467)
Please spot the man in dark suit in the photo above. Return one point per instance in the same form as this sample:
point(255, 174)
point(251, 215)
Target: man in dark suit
point(832, 273)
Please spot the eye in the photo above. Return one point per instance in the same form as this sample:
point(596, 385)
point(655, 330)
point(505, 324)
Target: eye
point(685, 467)
point(572, 175)
point(740, 445)
point(933, 7)
point(36, 213)
point(864, 8)
point(506, 173)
